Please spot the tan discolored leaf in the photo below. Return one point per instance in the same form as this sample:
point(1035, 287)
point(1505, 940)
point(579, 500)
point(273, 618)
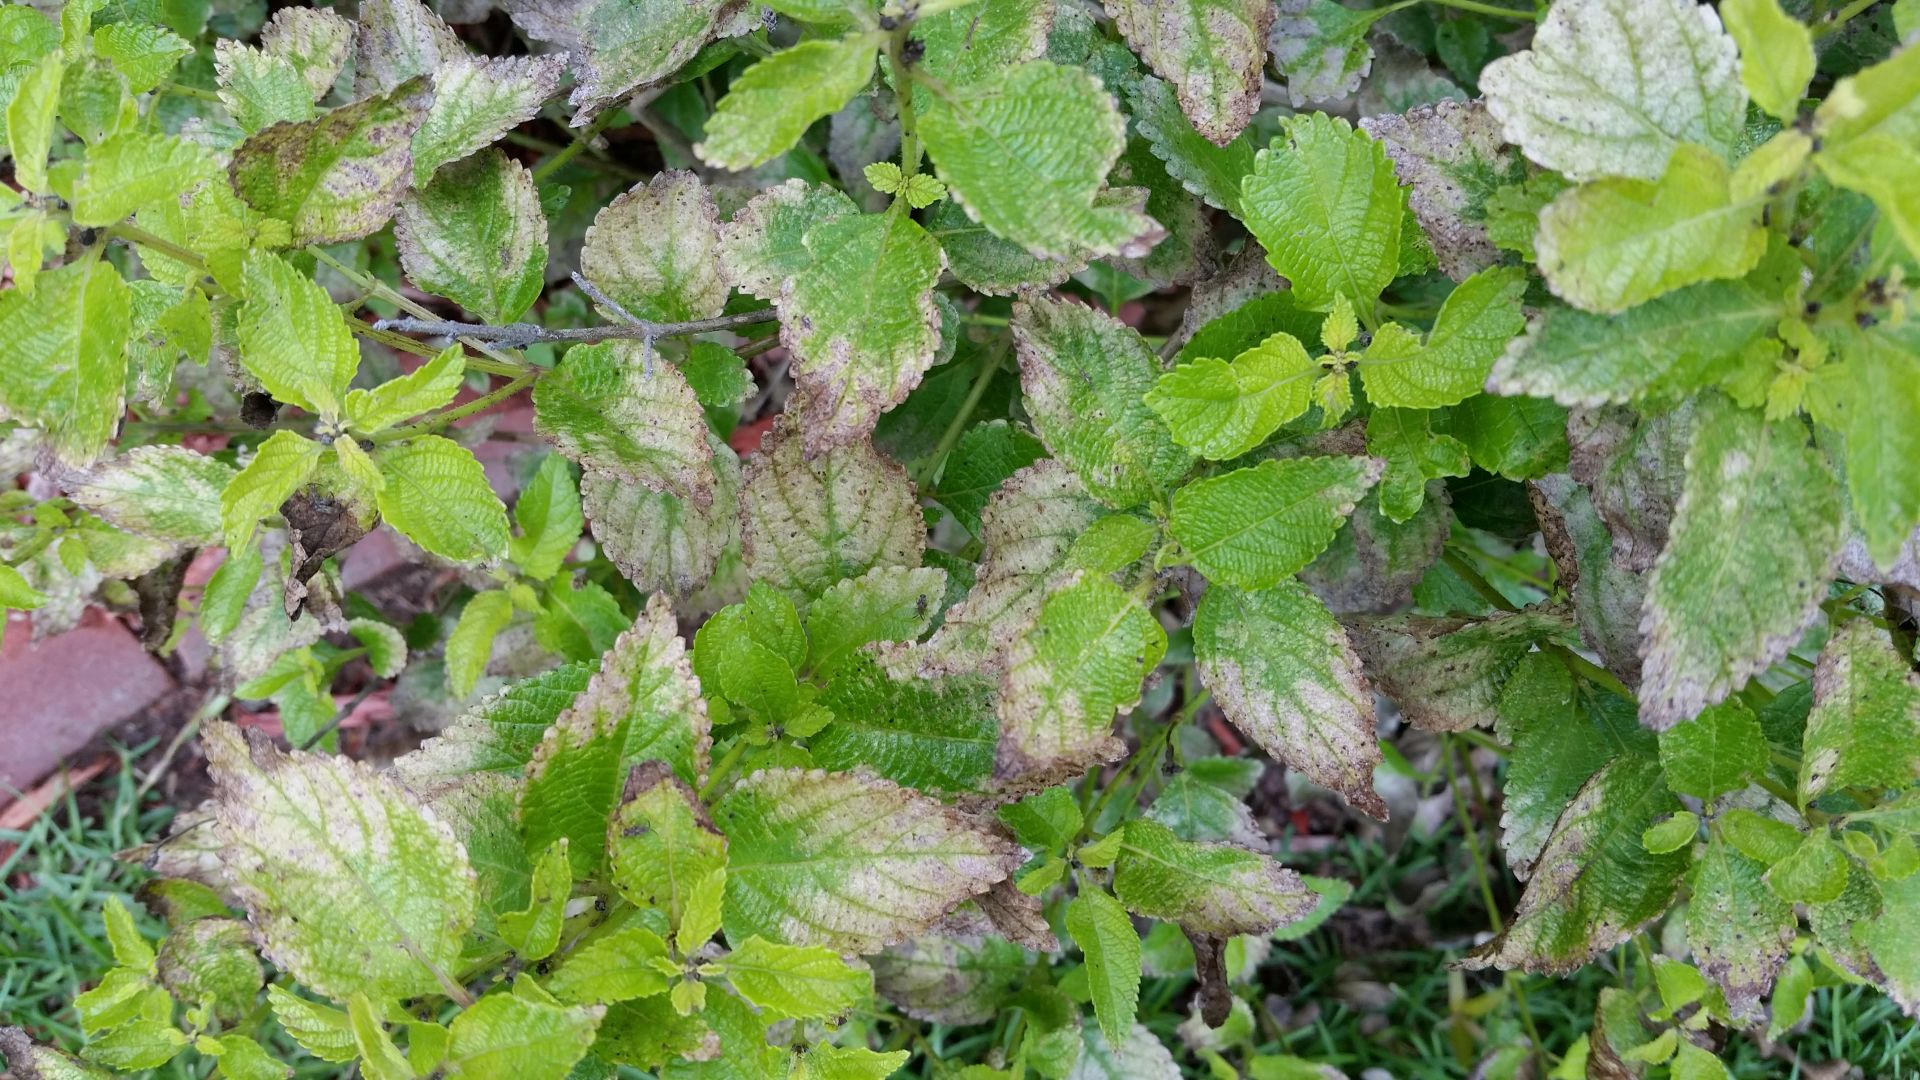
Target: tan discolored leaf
point(662, 841)
point(398, 40)
point(616, 407)
point(476, 100)
point(619, 46)
point(660, 541)
point(1211, 52)
point(950, 977)
point(1206, 888)
point(477, 236)
point(1447, 673)
point(808, 523)
point(653, 250)
point(1864, 728)
point(1451, 157)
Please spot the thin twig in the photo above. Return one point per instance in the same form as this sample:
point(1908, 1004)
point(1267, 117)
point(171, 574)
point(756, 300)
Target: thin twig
point(593, 293)
point(328, 728)
point(520, 335)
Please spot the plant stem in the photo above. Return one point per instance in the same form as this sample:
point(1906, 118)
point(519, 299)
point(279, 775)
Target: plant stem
point(572, 150)
point(724, 769)
point(520, 335)
point(1838, 19)
point(393, 296)
point(183, 90)
point(1472, 576)
point(989, 367)
point(903, 99)
point(459, 412)
point(133, 234)
point(1489, 9)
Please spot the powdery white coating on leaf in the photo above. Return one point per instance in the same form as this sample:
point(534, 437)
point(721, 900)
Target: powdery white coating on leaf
point(1438, 151)
point(1026, 531)
point(1284, 672)
point(652, 249)
point(336, 177)
point(1025, 151)
point(848, 860)
point(661, 542)
point(162, 492)
point(1211, 51)
point(478, 236)
point(1085, 374)
point(314, 40)
point(950, 977)
point(350, 884)
point(1632, 465)
point(1753, 543)
point(1610, 87)
point(1142, 1057)
point(397, 40)
point(1373, 563)
point(809, 522)
point(1738, 929)
point(764, 244)
point(1447, 673)
point(604, 409)
point(1594, 886)
point(644, 705)
point(1207, 888)
point(1864, 728)
point(620, 46)
point(476, 101)
point(860, 323)
point(1321, 48)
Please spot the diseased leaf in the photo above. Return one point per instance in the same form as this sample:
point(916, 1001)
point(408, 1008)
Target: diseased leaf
point(1728, 598)
point(1111, 947)
point(1084, 374)
point(1324, 203)
point(1452, 159)
point(975, 41)
point(1284, 672)
point(887, 603)
point(616, 47)
point(314, 41)
point(1211, 52)
point(1065, 134)
point(1615, 243)
point(764, 245)
point(1210, 172)
point(500, 733)
point(653, 250)
point(1864, 728)
point(162, 492)
point(847, 860)
point(475, 102)
point(1883, 390)
point(1447, 673)
point(1607, 596)
point(1140, 1056)
point(1610, 87)
point(941, 978)
point(351, 886)
point(1321, 47)
point(476, 235)
point(662, 842)
point(66, 357)
point(1206, 888)
point(643, 705)
point(336, 177)
point(1255, 527)
point(615, 407)
point(1738, 929)
point(1475, 324)
point(771, 104)
point(1594, 885)
point(808, 523)
point(662, 542)
point(1080, 663)
point(982, 461)
point(437, 496)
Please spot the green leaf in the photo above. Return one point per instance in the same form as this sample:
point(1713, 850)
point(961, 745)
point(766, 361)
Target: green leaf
point(1414, 455)
point(1213, 51)
point(847, 861)
point(1084, 374)
point(770, 105)
point(1610, 87)
point(1776, 54)
point(1080, 664)
point(476, 100)
point(134, 169)
point(612, 967)
point(1215, 889)
point(969, 42)
point(1727, 599)
point(336, 177)
point(662, 542)
point(1255, 527)
point(615, 407)
point(437, 496)
point(16, 593)
point(292, 337)
point(1615, 243)
point(1284, 672)
point(887, 603)
point(934, 734)
point(1714, 753)
point(242, 1058)
point(653, 250)
point(259, 88)
point(30, 115)
point(476, 235)
point(470, 645)
point(824, 1061)
point(163, 492)
point(1448, 673)
point(643, 705)
point(1324, 203)
point(279, 468)
point(145, 54)
point(507, 1037)
point(1763, 839)
point(136, 1046)
point(984, 458)
point(718, 375)
point(549, 519)
point(701, 920)
point(430, 386)
point(1594, 885)
point(807, 523)
point(1672, 345)
point(1111, 946)
point(66, 358)
point(1814, 872)
point(1738, 929)
point(318, 1029)
point(801, 982)
point(1882, 387)
point(578, 623)
point(661, 842)
point(534, 931)
point(1672, 834)
point(1112, 544)
point(380, 1059)
point(130, 949)
point(1064, 134)
point(1864, 728)
point(1221, 410)
point(861, 323)
point(1210, 172)
point(1480, 317)
point(351, 886)
point(1520, 438)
